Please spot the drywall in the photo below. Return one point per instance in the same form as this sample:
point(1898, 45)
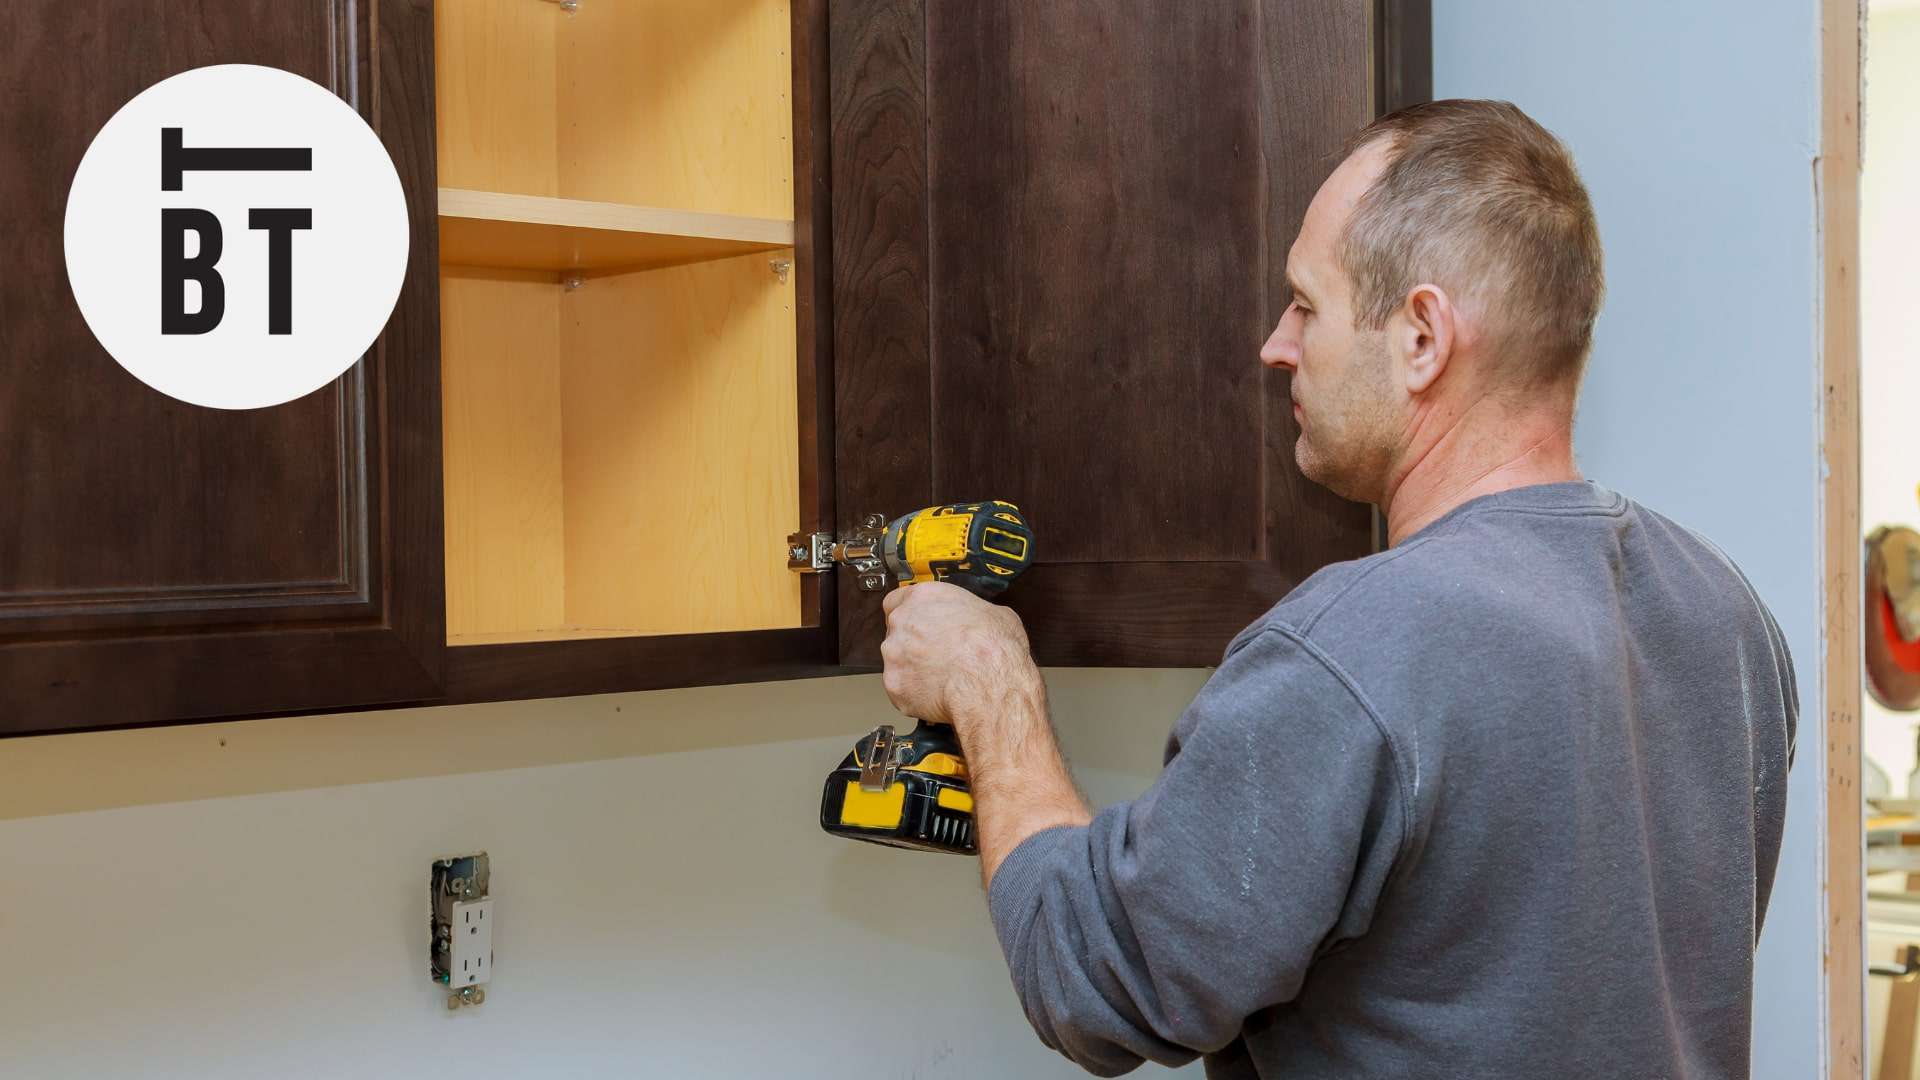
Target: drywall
point(1889, 319)
point(667, 903)
point(1696, 127)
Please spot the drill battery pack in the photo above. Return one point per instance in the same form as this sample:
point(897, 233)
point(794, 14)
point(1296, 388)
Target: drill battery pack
point(909, 791)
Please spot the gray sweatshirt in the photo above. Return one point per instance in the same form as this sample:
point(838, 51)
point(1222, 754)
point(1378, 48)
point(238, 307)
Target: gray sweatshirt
point(1502, 801)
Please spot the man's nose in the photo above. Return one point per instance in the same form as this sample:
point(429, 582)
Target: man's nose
point(1282, 349)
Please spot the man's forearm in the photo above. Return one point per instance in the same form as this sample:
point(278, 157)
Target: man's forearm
point(1020, 782)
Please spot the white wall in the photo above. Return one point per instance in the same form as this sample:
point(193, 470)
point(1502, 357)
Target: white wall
point(1890, 320)
point(669, 909)
point(1696, 126)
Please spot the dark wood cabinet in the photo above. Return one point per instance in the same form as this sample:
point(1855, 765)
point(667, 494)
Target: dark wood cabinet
point(161, 561)
point(1032, 251)
point(1069, 224)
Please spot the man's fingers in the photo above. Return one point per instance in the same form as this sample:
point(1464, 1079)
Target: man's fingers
point(893, 600)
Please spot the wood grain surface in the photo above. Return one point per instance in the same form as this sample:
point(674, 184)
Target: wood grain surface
point(881, 266)
point(579, 663)
point(160, 561)
point(1061, 233)
point(531, 232)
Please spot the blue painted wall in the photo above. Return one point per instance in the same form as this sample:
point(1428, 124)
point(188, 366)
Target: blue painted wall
point(1696, 126)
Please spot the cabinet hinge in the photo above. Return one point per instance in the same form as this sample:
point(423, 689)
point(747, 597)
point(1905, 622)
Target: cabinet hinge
point(814, 553)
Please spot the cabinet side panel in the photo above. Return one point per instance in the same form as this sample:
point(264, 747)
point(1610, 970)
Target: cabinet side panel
point(682, 468)
point(681, 105)
point(500, 388)
point(498, 95)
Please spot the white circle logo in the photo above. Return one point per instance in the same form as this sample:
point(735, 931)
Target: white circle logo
point(236, 236)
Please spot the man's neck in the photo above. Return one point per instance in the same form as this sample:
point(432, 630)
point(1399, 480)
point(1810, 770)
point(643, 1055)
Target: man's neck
point(1478, 455)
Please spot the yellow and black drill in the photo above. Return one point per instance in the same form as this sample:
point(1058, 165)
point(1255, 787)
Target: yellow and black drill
point(911, 790)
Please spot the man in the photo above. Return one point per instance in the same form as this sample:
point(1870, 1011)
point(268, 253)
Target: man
point(1503, 800)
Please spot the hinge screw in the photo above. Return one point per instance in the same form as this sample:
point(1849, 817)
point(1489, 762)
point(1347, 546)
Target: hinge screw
point(872, 582)
point(797, 551)
point(874, 521)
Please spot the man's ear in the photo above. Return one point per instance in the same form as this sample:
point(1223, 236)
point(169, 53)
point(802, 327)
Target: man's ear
point(1427, 331)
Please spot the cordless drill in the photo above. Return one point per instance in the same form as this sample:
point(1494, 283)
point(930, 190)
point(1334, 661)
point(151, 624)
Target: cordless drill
point(911, 790)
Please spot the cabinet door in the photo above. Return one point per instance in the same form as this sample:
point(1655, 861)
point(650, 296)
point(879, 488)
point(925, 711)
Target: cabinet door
point(161, 561)
point(1060, 238)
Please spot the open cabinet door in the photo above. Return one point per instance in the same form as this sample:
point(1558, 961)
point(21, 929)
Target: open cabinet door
point(1060, 236)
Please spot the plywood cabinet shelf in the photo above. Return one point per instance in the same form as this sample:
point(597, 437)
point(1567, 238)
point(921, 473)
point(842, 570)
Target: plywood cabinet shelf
point(535, 232)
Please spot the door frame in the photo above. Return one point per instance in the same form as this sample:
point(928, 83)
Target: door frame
point(1843, 929)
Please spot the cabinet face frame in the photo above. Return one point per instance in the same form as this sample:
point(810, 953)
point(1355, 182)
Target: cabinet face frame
point(607, 665)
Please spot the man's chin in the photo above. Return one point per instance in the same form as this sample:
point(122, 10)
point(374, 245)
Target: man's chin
point(1309, 462)
point(1314, 467)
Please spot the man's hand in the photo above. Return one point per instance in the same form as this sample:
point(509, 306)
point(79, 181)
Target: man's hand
point(948, 651)
point(953, 658)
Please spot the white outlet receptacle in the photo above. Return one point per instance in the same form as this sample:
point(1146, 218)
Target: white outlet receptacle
point(472, 944)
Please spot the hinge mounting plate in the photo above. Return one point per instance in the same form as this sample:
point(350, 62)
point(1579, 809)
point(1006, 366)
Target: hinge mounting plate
point(814, 553)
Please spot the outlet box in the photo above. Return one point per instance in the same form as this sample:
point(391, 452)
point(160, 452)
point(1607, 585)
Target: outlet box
point(471, 947)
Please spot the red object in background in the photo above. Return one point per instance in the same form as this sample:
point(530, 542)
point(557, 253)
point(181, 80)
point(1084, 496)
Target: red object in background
point(1892, 662)
point(1902, 652)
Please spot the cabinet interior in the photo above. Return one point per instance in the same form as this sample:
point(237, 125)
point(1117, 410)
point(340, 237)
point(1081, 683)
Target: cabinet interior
point(618, 352)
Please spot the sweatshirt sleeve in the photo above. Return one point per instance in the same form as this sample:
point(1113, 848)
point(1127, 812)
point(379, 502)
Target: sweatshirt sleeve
point(1154, 932)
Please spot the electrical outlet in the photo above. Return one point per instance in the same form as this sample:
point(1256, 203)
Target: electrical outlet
point(460, 927)
point(471, 962)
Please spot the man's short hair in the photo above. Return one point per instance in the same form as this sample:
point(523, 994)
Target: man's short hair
point(1479, 199)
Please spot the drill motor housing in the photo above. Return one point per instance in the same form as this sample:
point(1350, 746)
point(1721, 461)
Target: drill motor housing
point(980, 547)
